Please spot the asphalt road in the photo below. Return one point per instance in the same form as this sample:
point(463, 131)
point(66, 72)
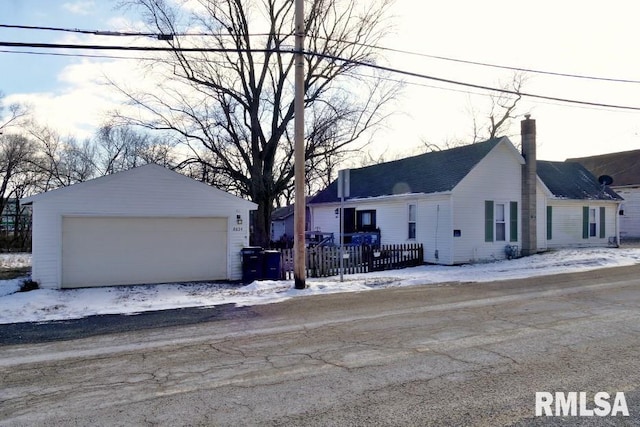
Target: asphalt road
point(451, 354)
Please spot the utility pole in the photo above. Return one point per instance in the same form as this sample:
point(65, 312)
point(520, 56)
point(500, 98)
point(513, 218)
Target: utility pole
point(344, 186)
point(299, 213)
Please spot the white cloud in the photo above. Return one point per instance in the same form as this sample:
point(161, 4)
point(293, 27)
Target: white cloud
point(80, 7)
point(83, 100)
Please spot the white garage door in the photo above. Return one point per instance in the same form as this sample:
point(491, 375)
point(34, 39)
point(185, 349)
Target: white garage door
point(102, 251)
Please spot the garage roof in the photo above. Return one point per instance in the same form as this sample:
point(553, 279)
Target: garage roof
point(152, 171)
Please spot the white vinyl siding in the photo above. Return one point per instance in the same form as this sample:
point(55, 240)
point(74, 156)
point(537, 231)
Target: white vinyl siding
point(149, 191)
point(452, 225)
point(433, 221)
point(571, 221)
point(630, 218)
point(497, 175)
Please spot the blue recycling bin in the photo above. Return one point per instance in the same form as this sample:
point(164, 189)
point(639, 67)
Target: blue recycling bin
point(271, 265)
point(252, 264)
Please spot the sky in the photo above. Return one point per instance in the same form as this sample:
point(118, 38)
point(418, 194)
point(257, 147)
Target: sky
point(48, 304)
point(594, 39)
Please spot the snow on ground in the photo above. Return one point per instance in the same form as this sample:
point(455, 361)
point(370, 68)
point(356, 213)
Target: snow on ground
point(8, 261)
point(46, 304)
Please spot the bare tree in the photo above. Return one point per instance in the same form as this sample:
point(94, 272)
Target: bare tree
point(232, 104)
point(15, 150)
point(496, 121)
point(15, 114)
point(61, 161)
point(15, 154)
point(121, 148)
point(502, 111)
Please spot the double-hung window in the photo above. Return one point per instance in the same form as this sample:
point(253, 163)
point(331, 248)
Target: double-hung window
point(592, 222)
point(497, 216)
point(501, 229)
point(412, 221)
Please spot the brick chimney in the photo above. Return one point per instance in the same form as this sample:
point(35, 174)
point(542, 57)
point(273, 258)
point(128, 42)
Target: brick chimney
point(529, 182)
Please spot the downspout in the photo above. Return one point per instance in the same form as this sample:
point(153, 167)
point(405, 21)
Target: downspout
point(437, 254)
point(618, 205)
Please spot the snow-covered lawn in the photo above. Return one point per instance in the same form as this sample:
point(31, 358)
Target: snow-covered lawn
point(43, 304)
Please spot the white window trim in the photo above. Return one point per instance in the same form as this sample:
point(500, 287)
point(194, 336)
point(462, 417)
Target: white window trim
point(415, 220)
point(505, 221)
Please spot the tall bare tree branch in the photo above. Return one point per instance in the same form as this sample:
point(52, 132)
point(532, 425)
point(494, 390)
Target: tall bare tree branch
point(233, 109)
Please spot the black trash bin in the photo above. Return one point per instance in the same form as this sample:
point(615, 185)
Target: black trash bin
point(271, 268)
point(252, 264)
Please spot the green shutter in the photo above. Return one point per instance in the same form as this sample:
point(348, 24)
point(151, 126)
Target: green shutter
point(585, 222)
point(549, 222)
point(513, 220)
point(488, 221)
point(602, 222)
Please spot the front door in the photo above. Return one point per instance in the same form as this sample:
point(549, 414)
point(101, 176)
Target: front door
point(349, 223)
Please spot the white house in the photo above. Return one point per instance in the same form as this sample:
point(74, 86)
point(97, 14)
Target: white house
point(145, 225)
point(471, 203)
point(624, 173)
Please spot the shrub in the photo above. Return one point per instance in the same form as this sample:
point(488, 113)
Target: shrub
point(28, 285)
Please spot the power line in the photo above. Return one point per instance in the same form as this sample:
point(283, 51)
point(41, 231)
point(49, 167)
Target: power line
point(504, 67)
point(170, 36)
point(321, 55)
point(159, 36)
point(140, 58)
point(76, 55)
point(473, 85)
point(140, 48)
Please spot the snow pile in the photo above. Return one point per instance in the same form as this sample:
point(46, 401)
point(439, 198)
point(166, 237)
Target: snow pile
point(17, 260)
point(45, 304)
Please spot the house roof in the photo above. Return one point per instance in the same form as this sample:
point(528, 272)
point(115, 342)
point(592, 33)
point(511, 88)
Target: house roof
point(622, 166)
point(282, 213)
point(432, 172)
point(571, 180)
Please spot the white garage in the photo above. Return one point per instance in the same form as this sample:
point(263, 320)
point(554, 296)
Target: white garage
point(145, 225)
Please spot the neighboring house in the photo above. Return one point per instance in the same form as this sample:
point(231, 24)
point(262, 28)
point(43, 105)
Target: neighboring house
point(624, 170)
point(469, 203)
point(145, 225)
point(282, 224)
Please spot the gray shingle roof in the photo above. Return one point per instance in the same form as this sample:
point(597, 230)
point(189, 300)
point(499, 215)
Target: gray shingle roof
point(441, 171)
point(432, 172)
point(282, 213)
point(571, 180)
point(622, 166)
